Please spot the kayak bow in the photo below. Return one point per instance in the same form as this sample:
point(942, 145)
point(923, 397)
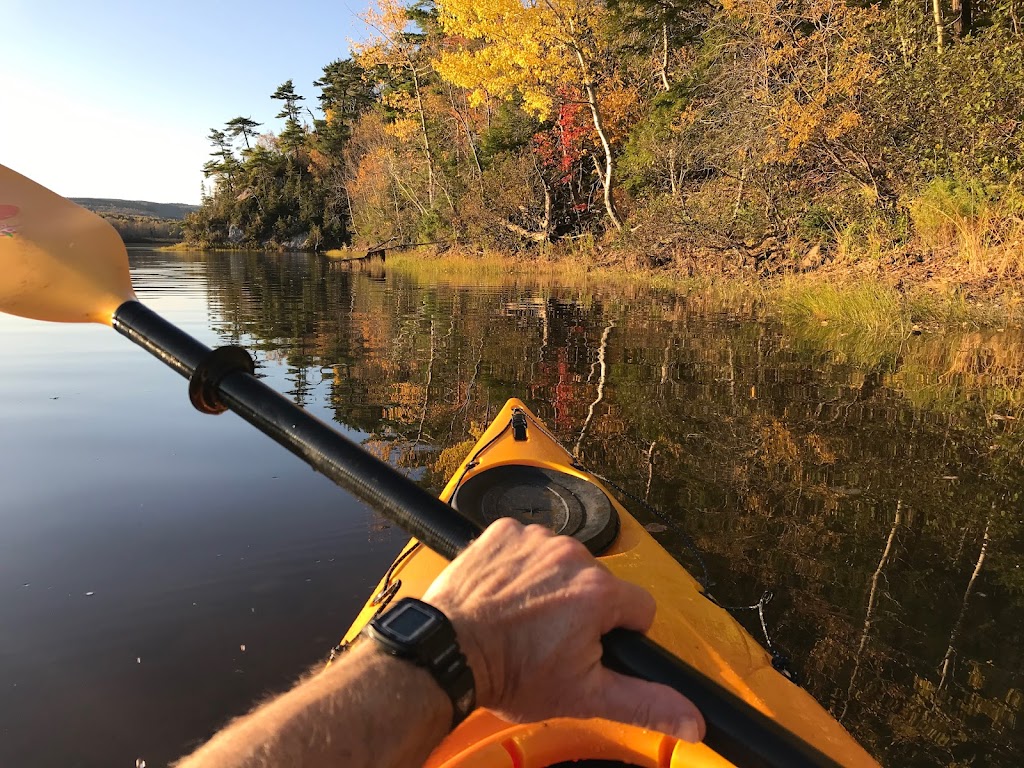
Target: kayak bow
point(517, 468)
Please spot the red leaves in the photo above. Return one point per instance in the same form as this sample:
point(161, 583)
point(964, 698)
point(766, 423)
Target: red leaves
point(565, 146)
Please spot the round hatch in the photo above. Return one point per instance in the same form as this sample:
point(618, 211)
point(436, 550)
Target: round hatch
point(564, 503)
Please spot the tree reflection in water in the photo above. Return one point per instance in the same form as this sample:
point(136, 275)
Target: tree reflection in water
point(789, 454)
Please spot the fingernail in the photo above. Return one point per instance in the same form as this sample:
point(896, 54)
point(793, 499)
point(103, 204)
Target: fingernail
point(690, 731)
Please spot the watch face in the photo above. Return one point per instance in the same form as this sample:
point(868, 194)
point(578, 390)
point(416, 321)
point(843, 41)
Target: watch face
point(407, 622)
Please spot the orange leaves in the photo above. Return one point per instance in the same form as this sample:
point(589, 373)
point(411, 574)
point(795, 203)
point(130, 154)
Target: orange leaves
point(812, 63)
point(318, 162)
point(621, 107)
point(371, 171)
point(389, 19)
point(405, 129)
point(846, 121)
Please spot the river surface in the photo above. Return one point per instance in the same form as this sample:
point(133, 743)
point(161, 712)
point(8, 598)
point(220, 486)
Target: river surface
point(161, 571)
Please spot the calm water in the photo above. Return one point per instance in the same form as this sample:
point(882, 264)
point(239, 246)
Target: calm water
point(161, 570)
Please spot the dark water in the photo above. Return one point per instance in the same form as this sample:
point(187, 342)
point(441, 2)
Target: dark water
point(873, 484)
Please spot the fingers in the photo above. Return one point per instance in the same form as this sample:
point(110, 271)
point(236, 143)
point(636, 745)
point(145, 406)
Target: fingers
point(647, 705)
point(627, 606)
point(531, 607)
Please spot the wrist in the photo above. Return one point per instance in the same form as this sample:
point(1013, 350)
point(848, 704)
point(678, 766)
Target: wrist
point(409, 688)
point(482, 648)
point(422, 634)
point(480, 654)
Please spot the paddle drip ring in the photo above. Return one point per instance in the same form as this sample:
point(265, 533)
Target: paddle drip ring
point(204, 384)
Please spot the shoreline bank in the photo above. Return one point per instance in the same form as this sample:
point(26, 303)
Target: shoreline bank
point(888, 295)
point(862, 294)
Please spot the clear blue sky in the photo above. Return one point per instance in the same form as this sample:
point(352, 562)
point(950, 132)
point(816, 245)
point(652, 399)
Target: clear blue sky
point(115, 98)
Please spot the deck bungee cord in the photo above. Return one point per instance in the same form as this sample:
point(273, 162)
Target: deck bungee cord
point(781, 661)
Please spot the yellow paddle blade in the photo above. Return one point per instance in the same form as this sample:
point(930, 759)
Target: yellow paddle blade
point(58, 261)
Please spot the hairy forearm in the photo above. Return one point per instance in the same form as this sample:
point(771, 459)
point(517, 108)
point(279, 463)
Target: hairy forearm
point(367, 709)
point(529, 609)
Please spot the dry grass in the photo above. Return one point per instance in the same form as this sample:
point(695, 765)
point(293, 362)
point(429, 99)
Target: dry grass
point(572, 267)
point(344, 253)
point(980, 229)
point(869, 305)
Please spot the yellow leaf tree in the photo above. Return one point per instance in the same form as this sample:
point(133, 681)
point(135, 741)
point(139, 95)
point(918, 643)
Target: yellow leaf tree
point(398, 51)
point(813, 63)
point(528, 49)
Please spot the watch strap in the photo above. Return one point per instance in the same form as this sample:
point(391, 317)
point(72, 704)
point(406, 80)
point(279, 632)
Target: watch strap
point(436, 649)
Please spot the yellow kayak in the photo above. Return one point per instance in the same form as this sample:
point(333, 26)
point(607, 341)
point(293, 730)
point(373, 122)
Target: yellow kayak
point(518, 469)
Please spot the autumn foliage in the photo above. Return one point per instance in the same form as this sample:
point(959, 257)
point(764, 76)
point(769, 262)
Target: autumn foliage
point(660, 127)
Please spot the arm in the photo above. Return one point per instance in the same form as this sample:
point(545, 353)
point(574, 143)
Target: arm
point(366, 709)
point(529, 609)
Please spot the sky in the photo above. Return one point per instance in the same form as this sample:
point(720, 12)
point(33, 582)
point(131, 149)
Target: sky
point(115, 98)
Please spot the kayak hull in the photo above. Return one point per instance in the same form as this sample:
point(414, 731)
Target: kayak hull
point(701, 633)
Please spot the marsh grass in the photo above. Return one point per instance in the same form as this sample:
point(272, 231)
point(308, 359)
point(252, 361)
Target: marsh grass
point(548, 265)
point(574, 267)
point(462, 267)
point(980, 227)
point(869, 305)
point(870, 237)
point(344, 253)
point(187, 247)
point(874, 306)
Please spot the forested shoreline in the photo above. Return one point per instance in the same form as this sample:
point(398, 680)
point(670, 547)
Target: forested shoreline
point(140, 221)
point(730, 136)
point(145, 229)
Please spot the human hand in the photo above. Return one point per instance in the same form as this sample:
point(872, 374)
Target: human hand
point(529, 608)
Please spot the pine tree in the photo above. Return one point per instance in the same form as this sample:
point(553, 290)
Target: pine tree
point(244, 127)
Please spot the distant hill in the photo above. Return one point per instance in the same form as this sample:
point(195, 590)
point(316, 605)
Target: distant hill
point(111, 207)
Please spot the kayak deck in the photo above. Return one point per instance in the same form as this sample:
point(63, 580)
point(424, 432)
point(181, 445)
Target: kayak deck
point(697, 630)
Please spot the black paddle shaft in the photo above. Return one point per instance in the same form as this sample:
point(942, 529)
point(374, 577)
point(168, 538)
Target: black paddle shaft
point(385, 489)
point(735, 730)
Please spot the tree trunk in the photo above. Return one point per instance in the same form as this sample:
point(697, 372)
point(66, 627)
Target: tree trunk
point(400, 185)
point(940, 31)
point(601, 350)
point(664, 55)
point(523, 232)
point(609, 158)
point(423, 127)
point(351, 226)
point(469, 139)
point(673, 185)
point(947, 660)
point(963, 25)
point(426, 387)
point(739, 194)
point(545, 223)
point(869, 614)
point(650, 469)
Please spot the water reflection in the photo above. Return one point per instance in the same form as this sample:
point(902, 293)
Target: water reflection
point(873, 483)
point(858, 477)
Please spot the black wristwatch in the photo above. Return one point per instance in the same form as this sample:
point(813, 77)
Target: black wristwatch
point(419, 632)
